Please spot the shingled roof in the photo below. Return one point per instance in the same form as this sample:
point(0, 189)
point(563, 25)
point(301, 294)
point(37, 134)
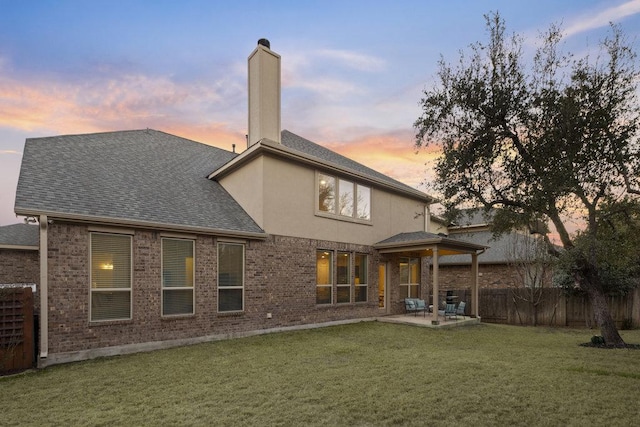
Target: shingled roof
point(137, 177)
point(19, 235)
point(500, 248)
point(298, 143)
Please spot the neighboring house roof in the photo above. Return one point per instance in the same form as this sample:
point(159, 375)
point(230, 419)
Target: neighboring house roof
point(298, 149)
point(138, 177)
point(473, 218)
point(19, 236)
point(500, 251)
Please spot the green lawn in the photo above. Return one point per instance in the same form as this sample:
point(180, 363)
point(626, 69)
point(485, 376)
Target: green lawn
point(366, 374)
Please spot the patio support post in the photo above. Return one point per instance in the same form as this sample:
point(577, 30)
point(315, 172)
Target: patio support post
point(435, 284)
point(475, 304)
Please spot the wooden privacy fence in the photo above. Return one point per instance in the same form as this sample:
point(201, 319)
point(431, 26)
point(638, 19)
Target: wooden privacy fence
point(555, 308)
point(16, 329)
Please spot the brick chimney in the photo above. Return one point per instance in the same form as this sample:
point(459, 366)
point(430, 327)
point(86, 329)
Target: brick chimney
point(264, 94)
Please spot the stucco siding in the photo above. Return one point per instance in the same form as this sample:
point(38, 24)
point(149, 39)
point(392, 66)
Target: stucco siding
point(246, 186)
point(288, 195)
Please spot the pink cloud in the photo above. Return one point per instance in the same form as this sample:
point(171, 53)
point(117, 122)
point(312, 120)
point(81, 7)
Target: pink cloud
point(391, 153)
point(123, 102)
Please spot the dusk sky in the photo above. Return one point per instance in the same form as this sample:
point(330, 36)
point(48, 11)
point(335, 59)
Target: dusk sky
point(352, 71)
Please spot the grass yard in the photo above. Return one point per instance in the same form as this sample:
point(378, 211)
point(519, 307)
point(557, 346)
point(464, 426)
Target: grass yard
point(366, 374)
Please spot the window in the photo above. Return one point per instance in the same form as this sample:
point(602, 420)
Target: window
point(409, 277)
point(346, 198)
point(363, 202)
point(353, 200)
point(230, 277)
point(110, 277)
point(343, 285)
point(326, 193)
point(177, 277)
point(361, 270)
point(324, 277)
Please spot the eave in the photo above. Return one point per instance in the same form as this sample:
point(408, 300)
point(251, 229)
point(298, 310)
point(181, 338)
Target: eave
point(445, 246)
point(109, 221)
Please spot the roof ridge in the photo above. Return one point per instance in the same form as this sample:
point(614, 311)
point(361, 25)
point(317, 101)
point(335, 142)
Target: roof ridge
point(125, 131)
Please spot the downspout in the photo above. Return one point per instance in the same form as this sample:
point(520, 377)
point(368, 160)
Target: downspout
point(427, 218)
point(44, 307)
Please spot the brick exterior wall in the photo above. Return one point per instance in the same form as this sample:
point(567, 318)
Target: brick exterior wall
point(21, 266)
point(280, 278)
point(491, 276)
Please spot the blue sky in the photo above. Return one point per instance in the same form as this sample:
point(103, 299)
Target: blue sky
point(352, 71)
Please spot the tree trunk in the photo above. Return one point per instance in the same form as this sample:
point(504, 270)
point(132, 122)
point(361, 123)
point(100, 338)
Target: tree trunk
point(603, 316)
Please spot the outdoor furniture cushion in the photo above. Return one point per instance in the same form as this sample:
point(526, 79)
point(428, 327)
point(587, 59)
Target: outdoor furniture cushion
point(460, 309)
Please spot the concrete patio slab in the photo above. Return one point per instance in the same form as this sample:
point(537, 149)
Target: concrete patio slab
point(427, 321)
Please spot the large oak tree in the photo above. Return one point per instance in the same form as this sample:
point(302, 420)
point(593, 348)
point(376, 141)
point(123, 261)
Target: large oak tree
point(547, 140)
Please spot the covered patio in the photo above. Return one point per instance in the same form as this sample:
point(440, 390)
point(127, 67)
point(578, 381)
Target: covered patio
point(424, 244)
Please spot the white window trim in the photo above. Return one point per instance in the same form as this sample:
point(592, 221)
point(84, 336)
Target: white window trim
point(130, 289)
point(244, 251)
point(163, 288)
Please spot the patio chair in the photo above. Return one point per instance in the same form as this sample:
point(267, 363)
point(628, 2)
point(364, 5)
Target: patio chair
point(410, 306)
point(450, 311)
point(460, 309)
point(414, 305)
point(421, 305)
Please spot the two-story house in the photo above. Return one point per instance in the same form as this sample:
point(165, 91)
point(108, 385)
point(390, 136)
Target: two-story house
point(149, 240)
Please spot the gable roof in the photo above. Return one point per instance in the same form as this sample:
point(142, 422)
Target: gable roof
point(296, 148)
point(19, 236)
point(138, 177)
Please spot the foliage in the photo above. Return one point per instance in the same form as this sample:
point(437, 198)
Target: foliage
point(543, 142)
point(616, 245)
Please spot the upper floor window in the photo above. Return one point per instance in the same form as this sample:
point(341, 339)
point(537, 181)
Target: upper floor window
point(110, 277)
point(344, 198)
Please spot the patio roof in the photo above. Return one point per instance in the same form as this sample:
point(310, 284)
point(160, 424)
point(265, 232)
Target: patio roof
point(424, 243)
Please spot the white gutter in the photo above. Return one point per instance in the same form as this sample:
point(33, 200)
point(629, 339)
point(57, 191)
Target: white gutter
point(20, 247)
point(100, 220)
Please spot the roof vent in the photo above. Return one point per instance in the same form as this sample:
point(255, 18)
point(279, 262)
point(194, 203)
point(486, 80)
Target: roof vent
point(265, 43)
